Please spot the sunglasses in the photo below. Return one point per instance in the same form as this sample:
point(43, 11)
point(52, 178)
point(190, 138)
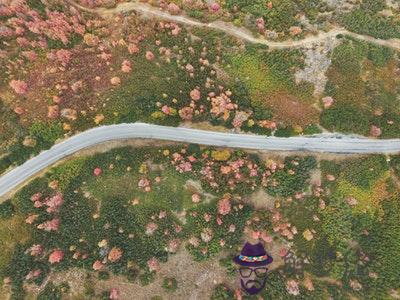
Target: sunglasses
point(246, 272)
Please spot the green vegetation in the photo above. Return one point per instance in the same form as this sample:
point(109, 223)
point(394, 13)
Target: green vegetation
point(278, 15)
point(222, 292)
point(293, 177)
point(365, 22)
point(120, 214)
point(360, 83)
point(6, 209)
point(170, 284)
point(50, 292)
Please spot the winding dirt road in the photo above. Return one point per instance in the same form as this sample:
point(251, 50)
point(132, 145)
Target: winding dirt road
point(239, 32)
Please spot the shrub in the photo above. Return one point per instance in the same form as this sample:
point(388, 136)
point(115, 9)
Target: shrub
point(337, 224)
point(6, 209)
point(46, 133)
point(170, 284)
point(288, 184)
point(382, 246)
point(103, 275)
point(67, 172)
point(284, 132)
point(364, 172)
point(373, 6)
point(379, 55)
point(312, 129)
point(345, 117)
point(132, 274)
point(146, 278)
point(363, 22)
point(229, 265)
point(222, 292)
point(276, 287)
point(50, 292)
point(395, 164)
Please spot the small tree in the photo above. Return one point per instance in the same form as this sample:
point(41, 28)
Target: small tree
point(170, 284)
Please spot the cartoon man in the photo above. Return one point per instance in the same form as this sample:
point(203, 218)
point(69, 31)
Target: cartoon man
point(253, 261)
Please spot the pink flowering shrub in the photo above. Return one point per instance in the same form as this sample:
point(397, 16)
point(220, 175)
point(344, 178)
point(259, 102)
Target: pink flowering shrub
point(56, 256)
point(224, 205)
point(115, 254)
point(54, 203)
point(97, 171)
point(153, 264)
point(51, 225)
point(19, 86)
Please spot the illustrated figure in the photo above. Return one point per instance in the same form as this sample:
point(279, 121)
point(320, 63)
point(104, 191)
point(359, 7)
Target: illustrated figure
point(252, 262)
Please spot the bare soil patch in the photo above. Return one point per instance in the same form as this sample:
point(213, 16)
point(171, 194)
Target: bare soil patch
point(289, 110)
point(196, 280)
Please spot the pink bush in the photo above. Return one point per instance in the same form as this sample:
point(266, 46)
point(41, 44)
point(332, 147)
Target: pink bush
point(260, 23)
point(327, 101)
point(215, 7)
point(126, 66)
point(114, 294)
point(30, 55)
point(195, 198)
point(151, 228)
point(54, 203)
point(31, 219)
point(195, 94)
point(375, 131)
point(292, 287)
point(36, 250)
point(166, 109)
point(51, 225)
point(97, 171)
point(36, 197)
point(115, 80)
point(173, 245)
point(53, 111)
point(133, 49)
point(153, 264)
point(19, 110)
point(173, 9)
point(56, 256)
point(97, 265)
point(186, 113)
point(115, 254)
point(64, 56)
point(19, 86)
point(224, 206)
point(149, 55)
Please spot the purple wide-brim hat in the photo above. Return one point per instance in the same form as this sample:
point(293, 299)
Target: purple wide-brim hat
point(253, 256)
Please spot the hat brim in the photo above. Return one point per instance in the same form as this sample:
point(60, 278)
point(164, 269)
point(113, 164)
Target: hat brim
point(266, 262)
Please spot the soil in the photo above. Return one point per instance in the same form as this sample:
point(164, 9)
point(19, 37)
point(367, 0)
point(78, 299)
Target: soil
point(261, 200)
point(289, 110)
point(196, 280)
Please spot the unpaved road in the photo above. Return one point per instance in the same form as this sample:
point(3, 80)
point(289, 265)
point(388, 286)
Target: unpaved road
point(322, 143)
point(230, 29)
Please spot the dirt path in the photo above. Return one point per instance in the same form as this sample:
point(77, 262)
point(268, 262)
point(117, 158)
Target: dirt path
point(239, 32)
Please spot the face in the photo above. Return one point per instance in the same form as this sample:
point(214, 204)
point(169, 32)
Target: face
point(253, 279)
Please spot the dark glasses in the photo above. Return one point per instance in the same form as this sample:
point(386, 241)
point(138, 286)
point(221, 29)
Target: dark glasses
point(246, 272)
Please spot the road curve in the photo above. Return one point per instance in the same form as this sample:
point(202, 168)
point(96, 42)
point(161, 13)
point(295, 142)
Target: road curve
point(322, 143)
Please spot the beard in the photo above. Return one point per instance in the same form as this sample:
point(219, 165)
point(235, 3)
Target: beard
point(253, 286)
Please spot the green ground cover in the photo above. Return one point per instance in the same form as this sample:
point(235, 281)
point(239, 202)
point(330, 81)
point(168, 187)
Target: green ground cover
point(118, 211)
